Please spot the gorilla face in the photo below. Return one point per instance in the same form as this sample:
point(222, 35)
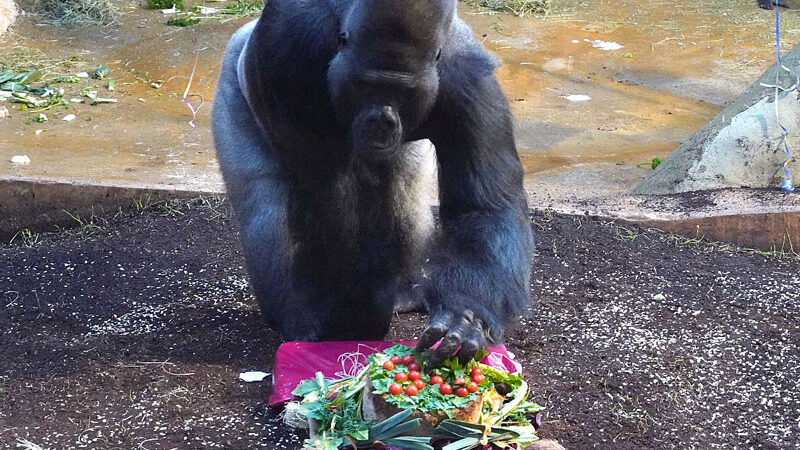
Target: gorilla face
point(383, 80)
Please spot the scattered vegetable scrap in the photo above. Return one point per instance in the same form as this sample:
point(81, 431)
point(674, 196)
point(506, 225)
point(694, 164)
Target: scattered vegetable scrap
point(397, 400)
point(19, 88)
point(235, 9)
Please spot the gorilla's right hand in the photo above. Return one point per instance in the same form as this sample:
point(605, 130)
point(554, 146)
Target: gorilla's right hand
point(463, 335)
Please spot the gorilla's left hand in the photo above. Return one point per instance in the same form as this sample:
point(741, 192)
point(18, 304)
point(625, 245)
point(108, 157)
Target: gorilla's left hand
point(463, 334)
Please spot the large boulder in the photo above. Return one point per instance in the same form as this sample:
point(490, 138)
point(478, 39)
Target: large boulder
point(8, 14)
point(740, 147)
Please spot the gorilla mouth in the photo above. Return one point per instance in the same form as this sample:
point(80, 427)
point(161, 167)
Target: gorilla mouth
point(377, 130)
point(387, 143)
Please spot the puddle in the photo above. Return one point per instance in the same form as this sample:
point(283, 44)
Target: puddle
point(678, 67)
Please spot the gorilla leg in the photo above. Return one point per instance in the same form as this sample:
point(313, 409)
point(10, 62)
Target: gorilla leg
point(259, 197)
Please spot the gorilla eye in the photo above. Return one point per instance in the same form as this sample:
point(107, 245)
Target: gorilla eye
point(343, 38)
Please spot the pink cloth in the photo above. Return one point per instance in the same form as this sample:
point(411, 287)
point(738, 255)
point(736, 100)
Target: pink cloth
point(298, 361)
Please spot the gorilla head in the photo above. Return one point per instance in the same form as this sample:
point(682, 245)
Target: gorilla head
point(384, 79)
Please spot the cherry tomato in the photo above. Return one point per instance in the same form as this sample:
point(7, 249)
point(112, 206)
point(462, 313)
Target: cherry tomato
point(412, 391)
point(401, 377)
point(436, 379)
point(445, 389)
point(395, 389)
point(459, 381)
point(478, 378)
point(462, 392)
point(419, 384)
point(407, 360)
point(388, 365)
point(476, 371)
point(472, 387)
point(415, 366)
point(414, 375)
point(395, 359)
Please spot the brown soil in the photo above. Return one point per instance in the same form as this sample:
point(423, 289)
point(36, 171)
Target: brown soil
point(130, 331)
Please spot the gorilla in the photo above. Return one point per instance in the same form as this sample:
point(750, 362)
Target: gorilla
point(771, 4)
point(321, 119)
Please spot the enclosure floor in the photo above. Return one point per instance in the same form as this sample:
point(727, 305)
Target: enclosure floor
point(130, 333)
point(681, 62)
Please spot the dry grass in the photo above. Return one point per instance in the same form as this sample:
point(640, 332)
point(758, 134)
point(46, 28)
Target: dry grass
point(73, 13)
point(18, 57)
point(519, 8)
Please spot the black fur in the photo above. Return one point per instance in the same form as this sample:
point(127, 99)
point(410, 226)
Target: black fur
point(319, 143)
point(771, 4)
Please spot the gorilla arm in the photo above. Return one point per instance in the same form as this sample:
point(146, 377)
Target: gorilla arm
point(479, 273)
point(259, 196)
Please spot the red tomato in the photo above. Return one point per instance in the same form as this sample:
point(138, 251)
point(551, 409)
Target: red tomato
point(388, 365)
point(407, 360)
point(412, 391)
point(445, 389)
point(476, 371)
point(395, 389)
point(436, 379)
point(462, 392)
point(459, 381)
point(395, 359)
point(478, 378)
point(419, 384)
point(401, 377)
point(414, 375)
point(415, 366)
point(472, 387)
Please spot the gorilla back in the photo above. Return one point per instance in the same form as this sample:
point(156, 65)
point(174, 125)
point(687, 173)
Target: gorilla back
point(318, 121)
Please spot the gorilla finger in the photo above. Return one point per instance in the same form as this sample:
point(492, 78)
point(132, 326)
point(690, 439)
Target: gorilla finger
point(436, 329)
point(474, 343)
point(449, 346)
point(430, 336)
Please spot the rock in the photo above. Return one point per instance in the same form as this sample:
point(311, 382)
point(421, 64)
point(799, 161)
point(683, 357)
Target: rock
point(4, 112)
point(740, 146)
point(545, 444)
point(8, 14)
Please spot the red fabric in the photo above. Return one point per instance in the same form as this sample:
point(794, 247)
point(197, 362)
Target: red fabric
point(298, 361)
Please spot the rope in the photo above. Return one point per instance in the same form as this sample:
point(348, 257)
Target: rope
point(787, 185)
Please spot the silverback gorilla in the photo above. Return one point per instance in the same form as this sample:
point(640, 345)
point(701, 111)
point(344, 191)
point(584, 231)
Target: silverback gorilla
point(317, 120)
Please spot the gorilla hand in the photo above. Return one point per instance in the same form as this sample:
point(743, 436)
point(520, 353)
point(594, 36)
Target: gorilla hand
point(463, 334)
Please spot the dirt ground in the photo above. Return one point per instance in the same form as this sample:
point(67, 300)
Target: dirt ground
point(129, 332)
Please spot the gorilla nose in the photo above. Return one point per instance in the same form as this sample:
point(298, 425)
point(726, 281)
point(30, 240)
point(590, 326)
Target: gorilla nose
point(383, 126)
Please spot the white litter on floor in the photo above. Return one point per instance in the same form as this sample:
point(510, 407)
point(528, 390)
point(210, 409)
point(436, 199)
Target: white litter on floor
point(577, 97)
point(254, 376)
point(604, 45)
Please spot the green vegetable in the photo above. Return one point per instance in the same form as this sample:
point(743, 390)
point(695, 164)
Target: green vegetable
point(165, 4)
point(100, 72)
point(656, 162)
point(183, 21)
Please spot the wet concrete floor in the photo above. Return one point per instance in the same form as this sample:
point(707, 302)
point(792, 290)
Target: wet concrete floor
point(681, 61)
